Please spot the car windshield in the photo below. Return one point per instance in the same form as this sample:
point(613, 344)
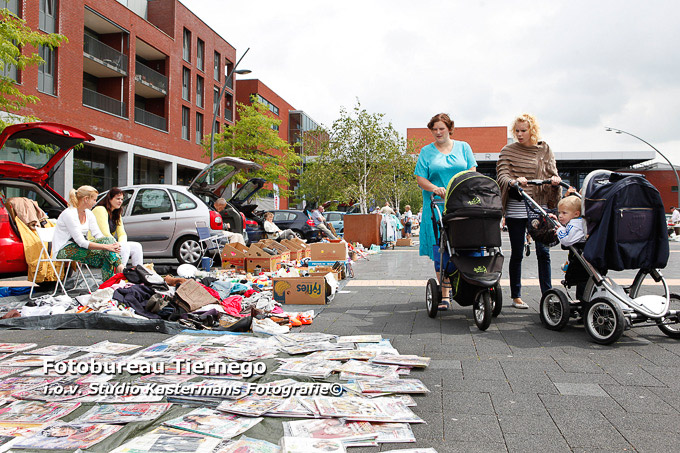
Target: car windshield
point(25, 151)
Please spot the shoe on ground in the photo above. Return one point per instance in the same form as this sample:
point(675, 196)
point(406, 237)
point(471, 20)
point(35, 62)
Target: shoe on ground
point(518, 303)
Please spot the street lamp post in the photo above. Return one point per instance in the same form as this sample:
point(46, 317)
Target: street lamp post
point(677, 178)
point(219, 101)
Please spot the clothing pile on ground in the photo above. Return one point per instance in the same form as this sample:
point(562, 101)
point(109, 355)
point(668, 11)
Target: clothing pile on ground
point(290, 393)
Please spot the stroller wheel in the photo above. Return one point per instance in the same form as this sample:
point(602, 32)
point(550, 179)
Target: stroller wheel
point(433, 297)
point(555, 309)
point(496, 299)
point(672, 330)
point(604, 321)
point(482, 309)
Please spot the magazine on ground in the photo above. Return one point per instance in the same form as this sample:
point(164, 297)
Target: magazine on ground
point(403, 360)
point(291, 407)
point(392, 386)
point(213, 423)
point(329, 428)
point(165, 440)
point(382, 347)
point(359, 339)
point(124, 413)
point(68, 436)
point(246, 445)
point(16, 347)
point(8, 371)
point(35, 411)
point(30, 360)
point(343, 354)
point(368, 369)
point(108, 347)
point(304, 445)
point(55, 349)
point(252, 406)
point(362, 409)
point(393, 432)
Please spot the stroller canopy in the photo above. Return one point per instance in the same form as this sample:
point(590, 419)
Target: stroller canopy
point(625, 222)
point(472, 194)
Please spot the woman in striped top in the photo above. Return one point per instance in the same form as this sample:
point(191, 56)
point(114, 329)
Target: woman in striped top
point(526, 159)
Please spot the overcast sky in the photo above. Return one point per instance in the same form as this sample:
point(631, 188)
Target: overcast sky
point(577, 65)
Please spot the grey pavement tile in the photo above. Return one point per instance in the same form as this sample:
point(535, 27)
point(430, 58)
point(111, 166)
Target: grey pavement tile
point(486, 370)
point(469, 428)
point(517, 403)
point(635, 376)
point(653, 423)
point(578, 378)
point(533, 386)
point(568, 388)
point(578, 365)
point(444, 364)
point(528, 424)
point(589, 430)
point(456, 446)
point(475, 385)
point(467, 403)
point(639, 399)
point(652, 442)
point(549, 443)
point(579, 403)
point(669, 395)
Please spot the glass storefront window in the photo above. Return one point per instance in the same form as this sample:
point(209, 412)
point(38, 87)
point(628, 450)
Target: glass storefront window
point(148, 171)
point(95, 167)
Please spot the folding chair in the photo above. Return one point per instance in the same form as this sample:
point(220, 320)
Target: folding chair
point(209, 243)
point(46, 235)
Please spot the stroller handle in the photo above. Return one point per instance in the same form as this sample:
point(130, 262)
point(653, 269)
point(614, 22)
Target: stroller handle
point(540, 182)
point(537, 207)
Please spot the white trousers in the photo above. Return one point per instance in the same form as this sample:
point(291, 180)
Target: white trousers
point(131, 251)
point(232, 237)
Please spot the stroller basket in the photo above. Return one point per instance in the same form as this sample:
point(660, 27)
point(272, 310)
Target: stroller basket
point(473, 231)
point(482, 271)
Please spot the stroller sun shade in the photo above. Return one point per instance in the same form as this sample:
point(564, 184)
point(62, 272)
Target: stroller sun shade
point(473, 211)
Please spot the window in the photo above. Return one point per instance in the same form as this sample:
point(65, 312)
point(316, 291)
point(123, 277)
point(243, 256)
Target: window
point(272, 108)
point(281, 216)
point(148, 171)
point(151, 201)
point(200, 94)
point(9, 70)
point(199, 128)
point(186, 46)
point(46, 70)
point(216, 105)
point(216, 66)
point(200, 51)
point(186, 75)
point(95, 167)
point(185, 123)
point(182, 201)
point(12, 6)
point(47, 16)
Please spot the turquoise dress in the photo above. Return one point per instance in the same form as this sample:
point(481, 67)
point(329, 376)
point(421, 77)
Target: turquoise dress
point(439, 168)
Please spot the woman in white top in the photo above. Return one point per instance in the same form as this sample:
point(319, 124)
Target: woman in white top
point(70, 235)
point(274, 231)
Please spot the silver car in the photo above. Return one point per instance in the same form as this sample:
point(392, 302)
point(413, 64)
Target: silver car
point(163, 217)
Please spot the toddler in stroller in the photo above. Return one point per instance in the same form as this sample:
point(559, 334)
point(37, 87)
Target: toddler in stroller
point(469, 254)
point(624, 227)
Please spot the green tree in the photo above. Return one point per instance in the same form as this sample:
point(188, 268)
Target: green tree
point(254, 137)
point(15, 39)
point(397, 179)
point(355, 154)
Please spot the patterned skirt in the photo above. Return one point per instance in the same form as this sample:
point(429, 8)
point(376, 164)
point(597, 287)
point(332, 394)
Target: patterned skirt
point(107, 261)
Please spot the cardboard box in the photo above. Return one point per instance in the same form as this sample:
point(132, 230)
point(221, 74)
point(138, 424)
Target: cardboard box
point(305, 247)
point(234, 256)
point(258, 257)
point(297, 252)
point(280, 248)
point(323, 270)
point(327, 251)
point(301, 290)
point(405, 242)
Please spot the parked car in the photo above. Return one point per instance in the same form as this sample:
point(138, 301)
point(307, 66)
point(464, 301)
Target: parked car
point(296, 220)
point(29, 178)
point(337, 219)
point(163, 217)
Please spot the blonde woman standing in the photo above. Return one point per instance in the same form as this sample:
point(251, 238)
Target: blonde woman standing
point(71, 232)
point(528, 158)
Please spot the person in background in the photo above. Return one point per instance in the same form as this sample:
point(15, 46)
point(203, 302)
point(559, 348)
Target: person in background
point(320, 222)
point(220, 206)
point(274, 231)
point(437, 163)
point(675, 220)
point(387, 209)
point(528, 158)
point(108, 214)
point(72, 229)
point(408, 220)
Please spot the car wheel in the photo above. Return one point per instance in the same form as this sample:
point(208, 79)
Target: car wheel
point(187, 250)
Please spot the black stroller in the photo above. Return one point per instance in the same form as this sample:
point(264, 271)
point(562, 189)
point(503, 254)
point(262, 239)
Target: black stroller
point(626, 230)
point(469, 252)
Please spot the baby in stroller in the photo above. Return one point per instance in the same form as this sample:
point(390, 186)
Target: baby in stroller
point(572, 233)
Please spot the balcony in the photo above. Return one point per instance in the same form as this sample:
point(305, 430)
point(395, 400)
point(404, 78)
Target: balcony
point(149, 83)
point(104, 103)
point(151, 120)
point(102, 60)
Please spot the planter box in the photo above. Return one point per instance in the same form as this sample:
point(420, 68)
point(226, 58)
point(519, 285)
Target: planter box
point(363, 228)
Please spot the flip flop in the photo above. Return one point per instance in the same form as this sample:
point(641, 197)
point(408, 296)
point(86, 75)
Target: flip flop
point(444, 306)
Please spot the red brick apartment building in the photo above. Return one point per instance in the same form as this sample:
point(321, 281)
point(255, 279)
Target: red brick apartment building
point(142, 76)
point(294, 123)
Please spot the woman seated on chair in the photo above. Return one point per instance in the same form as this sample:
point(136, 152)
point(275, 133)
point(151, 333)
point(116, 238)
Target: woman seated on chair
point(273, 231)
point(70, 235)
point(108, 214)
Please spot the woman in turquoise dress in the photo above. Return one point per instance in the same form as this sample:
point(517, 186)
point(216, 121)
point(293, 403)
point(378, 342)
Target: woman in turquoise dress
point(437, 163)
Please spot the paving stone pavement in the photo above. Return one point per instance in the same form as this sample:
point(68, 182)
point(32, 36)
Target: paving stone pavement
point(516, 387)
